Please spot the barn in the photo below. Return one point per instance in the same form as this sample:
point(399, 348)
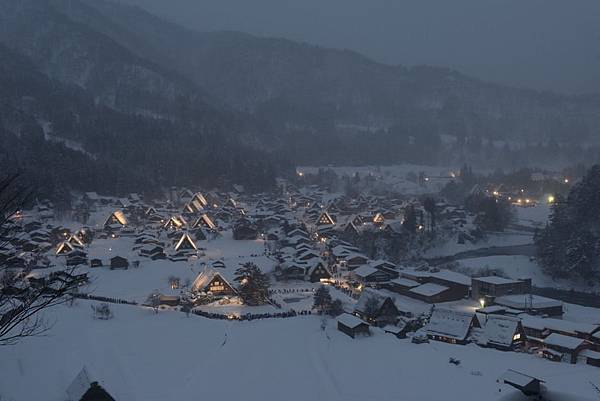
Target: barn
point(352, 325)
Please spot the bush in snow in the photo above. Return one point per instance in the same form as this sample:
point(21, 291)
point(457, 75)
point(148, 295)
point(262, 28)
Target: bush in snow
point(102, 312)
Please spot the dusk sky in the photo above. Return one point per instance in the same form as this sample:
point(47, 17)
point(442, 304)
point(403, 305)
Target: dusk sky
point(547, 44)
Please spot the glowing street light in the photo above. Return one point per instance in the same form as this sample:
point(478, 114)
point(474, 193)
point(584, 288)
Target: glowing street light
point(551, 199)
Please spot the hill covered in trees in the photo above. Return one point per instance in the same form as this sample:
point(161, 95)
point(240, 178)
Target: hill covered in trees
point(337, 106)
point(77, 110)
point(570, 245)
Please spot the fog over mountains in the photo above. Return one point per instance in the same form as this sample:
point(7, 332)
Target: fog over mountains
point(122, 97)
point(541, 44)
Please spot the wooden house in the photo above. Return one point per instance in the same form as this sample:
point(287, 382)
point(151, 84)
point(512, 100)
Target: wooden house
point(317, 271)
point(116, 220)
point(185, 243)
point(494, 286)
point(501, 332)
point(175, 223)
point(85, 388)
point(451, 326)
point(528, 385)
point(119, 262)
point(355, 260)
point(96, 262)
point(569, 347)
point(376, 308)
point(352, 325)
point(76, 258)
point(204, 222)
point(379, 219)
point(370, 275)
point(325, 219)
point(211, 282)
point(64, 248)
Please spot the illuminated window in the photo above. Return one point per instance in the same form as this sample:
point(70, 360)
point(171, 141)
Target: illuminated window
point(517, 336)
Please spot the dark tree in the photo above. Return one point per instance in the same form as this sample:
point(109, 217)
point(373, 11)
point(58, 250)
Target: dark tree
point(322, 299)
point(253, 284)
point(371, 308)
point(22, 304)
point(492, 214)
point(569, 246)
point(429, 206)
point(336, 308)
point(410, 220)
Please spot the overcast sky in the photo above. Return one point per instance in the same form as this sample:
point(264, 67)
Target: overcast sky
point(547, 44)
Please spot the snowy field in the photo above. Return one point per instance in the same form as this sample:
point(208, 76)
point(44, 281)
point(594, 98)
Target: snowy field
point(513, 266)
point(140, 356)
point(135, 284)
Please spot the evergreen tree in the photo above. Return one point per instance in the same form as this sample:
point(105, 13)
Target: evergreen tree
point(253, 284)
point(429, 206)
point(322, 299)
point(410, 220)
point(569, 246)
point(336, 308)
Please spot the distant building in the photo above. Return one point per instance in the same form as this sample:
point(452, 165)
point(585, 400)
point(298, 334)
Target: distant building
point(494, 286)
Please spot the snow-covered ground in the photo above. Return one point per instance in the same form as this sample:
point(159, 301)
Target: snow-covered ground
point(535, 216)
point(135, 284)
point(513, 266)
point(504, 239)
point(142, 356)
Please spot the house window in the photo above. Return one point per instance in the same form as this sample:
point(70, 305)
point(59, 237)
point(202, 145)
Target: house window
point(517, 336)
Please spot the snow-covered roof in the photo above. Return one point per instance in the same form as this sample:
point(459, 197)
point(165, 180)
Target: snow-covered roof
point(79, 386)
point(453, 277)
point(496, 280)
point(185, 239)
point(588, 353)
point(405, 282)
point(499, 330)
point(559, 340)
point(525, 301)
point(367, 294)
point(205, 278)
point(565, 326)
point(517, 378)
point(429, 289)
point(450, 323)
point(349, 320)
point(365, 271)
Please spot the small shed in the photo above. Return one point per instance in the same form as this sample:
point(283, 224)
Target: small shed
point(96, 262)
point(528, 385)
point(119, 262)
point(352, 325)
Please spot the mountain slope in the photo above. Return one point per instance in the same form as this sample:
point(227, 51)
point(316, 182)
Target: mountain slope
point(59, 138)
point(144, 125)
point(296, 84)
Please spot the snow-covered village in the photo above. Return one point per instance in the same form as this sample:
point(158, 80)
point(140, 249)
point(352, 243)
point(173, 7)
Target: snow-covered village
point(316, 200)
point(304, 288)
